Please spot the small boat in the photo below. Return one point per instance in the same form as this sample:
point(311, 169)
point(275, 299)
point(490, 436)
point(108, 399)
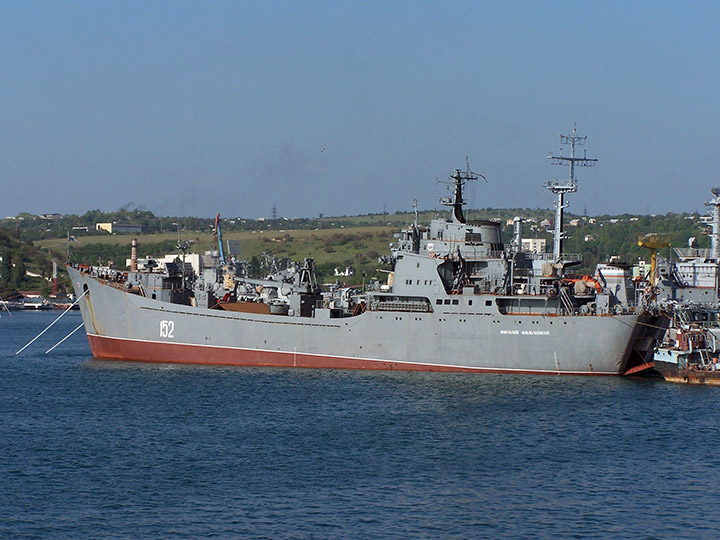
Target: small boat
point(36, 304)
point(689, 351)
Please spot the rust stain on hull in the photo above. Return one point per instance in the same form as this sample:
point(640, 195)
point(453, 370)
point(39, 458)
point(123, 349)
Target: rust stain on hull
point(690, 376)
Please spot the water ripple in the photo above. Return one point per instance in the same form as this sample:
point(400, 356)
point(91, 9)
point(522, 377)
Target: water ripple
point(95, 449)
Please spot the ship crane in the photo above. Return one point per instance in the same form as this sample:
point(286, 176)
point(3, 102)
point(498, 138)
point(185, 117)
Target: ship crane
point(653, 242)
point(54, 277)
point(218, 236)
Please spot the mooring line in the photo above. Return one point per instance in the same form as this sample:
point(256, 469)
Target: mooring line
point(4, 303)
point(49, 325)
point(63, 339)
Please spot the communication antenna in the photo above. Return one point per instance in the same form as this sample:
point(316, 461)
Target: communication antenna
point(274, 212)
point(569, 186)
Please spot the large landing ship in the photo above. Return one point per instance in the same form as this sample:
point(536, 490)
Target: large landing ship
point(457, 299)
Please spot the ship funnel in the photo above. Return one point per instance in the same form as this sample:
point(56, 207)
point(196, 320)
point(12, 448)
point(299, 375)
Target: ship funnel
point(133, 255)
point(517, 239)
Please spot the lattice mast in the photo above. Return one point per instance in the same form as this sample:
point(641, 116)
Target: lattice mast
point(569, 186)
point(714, 203)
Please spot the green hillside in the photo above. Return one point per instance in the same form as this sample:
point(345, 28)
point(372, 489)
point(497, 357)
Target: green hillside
point(23, 266)
point(340, 242)
point(357, 247)
point(333, 241)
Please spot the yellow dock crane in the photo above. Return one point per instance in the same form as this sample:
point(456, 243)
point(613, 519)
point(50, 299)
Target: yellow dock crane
point(653, 242)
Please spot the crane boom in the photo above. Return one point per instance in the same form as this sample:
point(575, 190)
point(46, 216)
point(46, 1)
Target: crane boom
point(218, 236)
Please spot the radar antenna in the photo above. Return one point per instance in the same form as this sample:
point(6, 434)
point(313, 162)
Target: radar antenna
point(457, 181)
point(569, 186)
point(184, 246)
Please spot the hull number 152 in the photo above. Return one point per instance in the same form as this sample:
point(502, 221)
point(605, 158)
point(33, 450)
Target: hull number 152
point(167, 329)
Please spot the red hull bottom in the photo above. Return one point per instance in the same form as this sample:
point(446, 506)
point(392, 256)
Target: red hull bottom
point(176, 353)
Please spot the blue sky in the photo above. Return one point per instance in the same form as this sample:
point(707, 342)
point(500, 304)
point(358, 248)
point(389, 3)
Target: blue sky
point(195, 108)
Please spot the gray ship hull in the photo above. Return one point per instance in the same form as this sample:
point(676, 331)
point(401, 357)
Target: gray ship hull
point(464, 337)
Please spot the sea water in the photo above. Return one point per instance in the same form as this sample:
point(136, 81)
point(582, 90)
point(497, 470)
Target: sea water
point(102, 449)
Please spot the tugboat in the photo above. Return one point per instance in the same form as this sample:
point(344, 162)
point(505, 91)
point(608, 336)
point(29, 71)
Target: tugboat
point(689, 350)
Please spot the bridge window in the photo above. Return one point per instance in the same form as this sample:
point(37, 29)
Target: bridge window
point(473, 238)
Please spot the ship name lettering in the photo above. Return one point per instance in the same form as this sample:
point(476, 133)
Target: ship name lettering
point(525, 332)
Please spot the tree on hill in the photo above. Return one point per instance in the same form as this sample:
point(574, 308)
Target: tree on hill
point(7, 286)
point(19, 273)
point(6, 268)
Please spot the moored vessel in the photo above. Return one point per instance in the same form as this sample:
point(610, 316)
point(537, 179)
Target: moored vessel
point(688, 290)
point(457, 299)
point(688, 353)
